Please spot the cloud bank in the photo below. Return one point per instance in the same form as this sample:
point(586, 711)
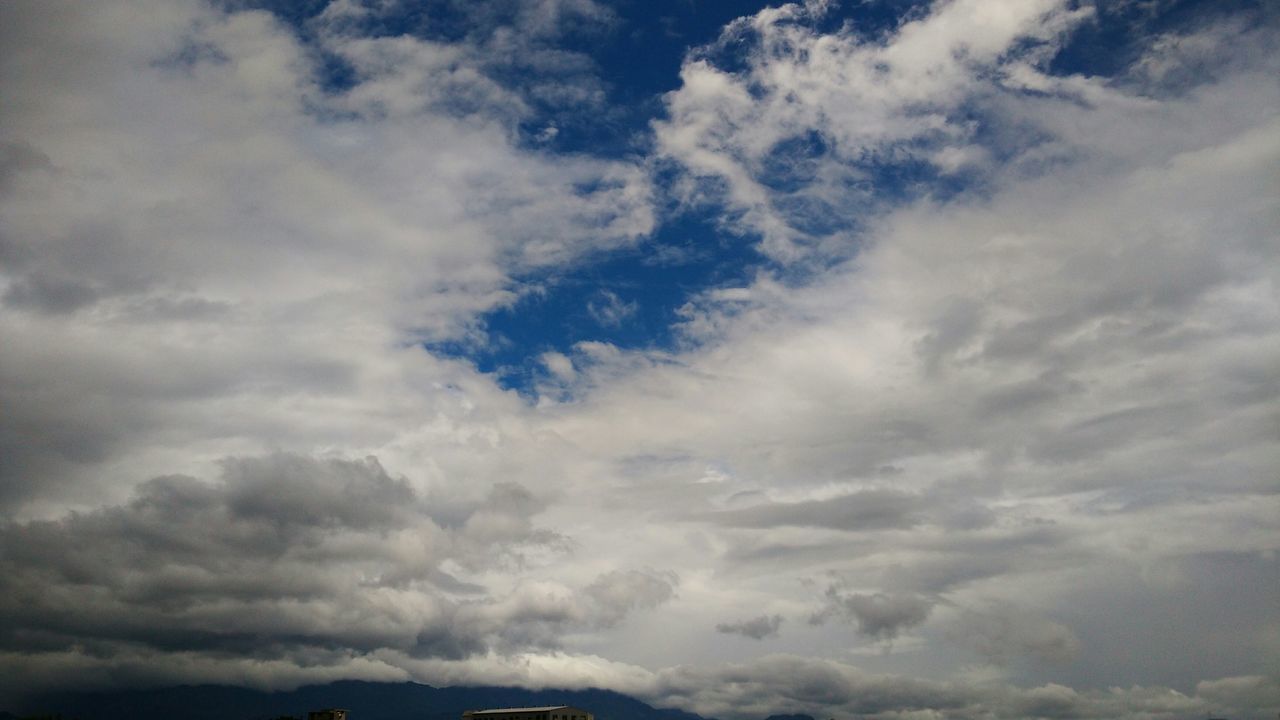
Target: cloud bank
point(984, 433)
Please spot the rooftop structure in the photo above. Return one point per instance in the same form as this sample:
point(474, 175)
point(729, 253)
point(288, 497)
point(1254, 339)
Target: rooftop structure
point(549, 712)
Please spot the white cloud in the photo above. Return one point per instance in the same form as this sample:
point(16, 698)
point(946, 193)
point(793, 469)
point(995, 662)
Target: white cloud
point(217, 238)
point(610, 310)
point(559, 364)
point(217, 276)
point(1068, 373)
point(746, 136)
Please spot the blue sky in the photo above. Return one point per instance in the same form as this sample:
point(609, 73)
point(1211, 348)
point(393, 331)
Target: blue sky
point(636, 53)
point(860, 359)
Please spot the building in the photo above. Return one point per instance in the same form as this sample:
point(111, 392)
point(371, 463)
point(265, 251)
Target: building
point(550, 712)
point(329, 714)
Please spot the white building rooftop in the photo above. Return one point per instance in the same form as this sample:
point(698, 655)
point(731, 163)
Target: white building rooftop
point(517, 710)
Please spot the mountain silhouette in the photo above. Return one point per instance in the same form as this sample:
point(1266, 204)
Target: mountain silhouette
point(364, 701)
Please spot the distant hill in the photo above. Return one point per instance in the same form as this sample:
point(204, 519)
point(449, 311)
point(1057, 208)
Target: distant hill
point(364, 700)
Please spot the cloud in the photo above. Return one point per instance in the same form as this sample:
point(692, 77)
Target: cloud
point(1250, 691)
point(560, 365)
point(290, 556)
point(777, 683)
point(864, 510)
point(617, 593)
point(512, 52)
point(757, 628)
point(390, 211)
point(1002, 632)
point(877, 615)
point(1019, 405)
point(790, 141)
point(610, 310)
point(294, 491)
point(1043, 359)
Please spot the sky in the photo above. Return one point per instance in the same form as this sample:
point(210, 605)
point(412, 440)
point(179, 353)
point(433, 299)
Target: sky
point(866, 359)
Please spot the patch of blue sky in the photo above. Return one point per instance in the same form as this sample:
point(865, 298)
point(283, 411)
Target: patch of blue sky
point(819, 193)
point(637, 60)
point(794, 163)
point(629, 298)
point(635, 53)
point(639, 52)
point(1120, 31)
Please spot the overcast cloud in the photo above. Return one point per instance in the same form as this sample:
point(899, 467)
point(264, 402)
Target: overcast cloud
point(990, 426)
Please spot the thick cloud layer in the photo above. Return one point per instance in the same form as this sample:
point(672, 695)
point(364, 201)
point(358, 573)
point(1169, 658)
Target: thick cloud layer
point(288, 555)
point(810, 685)
point(986, 435)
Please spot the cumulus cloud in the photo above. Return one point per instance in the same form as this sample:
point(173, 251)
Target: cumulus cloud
point(559, 364)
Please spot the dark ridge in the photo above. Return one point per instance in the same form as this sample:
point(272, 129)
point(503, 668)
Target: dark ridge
point(363, 700)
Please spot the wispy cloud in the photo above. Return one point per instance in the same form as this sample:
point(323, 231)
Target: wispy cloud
point(611, 310)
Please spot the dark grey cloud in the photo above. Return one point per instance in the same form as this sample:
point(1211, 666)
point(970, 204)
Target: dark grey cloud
point(285, 553)
point(44, 293)
point(979, 544)
point(756, 628)
point(1002, 632)
point(18, 157)
point(290, 490)
point(878, 615)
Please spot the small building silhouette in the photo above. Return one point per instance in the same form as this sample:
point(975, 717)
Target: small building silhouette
point(328, 714)
point(549, 712)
